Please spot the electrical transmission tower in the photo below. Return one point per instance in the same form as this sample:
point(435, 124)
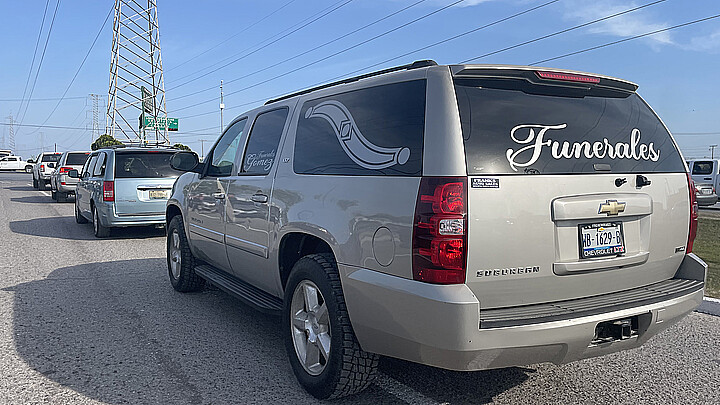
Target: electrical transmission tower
point(11, 133)
point(95, 132)
point(136, 97)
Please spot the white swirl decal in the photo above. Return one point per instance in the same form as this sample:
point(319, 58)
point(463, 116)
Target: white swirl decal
point(535, 142)
point(363, 152)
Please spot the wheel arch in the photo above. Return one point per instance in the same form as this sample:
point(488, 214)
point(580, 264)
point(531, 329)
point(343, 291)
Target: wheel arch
point(295, 245)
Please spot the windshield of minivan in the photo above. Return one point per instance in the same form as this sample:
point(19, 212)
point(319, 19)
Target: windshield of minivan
point(526, 131)
point(51, 158)
point(144, 165)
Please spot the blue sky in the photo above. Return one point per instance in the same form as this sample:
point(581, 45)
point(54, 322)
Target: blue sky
point(677, 70)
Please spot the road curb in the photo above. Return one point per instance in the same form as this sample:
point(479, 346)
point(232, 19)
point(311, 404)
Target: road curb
point(710, 306)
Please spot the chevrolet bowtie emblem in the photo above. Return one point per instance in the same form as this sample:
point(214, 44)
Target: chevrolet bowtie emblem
point(611, 207)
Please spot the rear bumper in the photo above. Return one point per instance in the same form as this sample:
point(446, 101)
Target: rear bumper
point(109, 218)
point(440, 325)
point(705, 200)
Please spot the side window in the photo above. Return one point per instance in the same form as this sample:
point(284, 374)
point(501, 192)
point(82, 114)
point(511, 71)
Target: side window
point(223, 156)
point(100, 165)
point(372, 131)
point(88, 169)
point(264, 141)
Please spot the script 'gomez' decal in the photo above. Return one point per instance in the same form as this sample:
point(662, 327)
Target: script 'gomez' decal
point(536, 139)
point(363, 152)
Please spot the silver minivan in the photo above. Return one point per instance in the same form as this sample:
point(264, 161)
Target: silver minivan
point(465, 217)
point(122, 187)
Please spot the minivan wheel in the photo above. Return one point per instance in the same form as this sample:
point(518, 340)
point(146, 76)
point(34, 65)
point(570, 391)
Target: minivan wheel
point(100, 230)
point(319, 339)
point(79, 218)
point(180, 260)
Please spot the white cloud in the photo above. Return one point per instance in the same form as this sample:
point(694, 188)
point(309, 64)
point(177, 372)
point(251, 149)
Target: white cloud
point(707, 43)
point(627, 25)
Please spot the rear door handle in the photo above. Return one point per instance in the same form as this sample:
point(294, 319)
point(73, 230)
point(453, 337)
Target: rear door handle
point(259, 198)
point(219, 196)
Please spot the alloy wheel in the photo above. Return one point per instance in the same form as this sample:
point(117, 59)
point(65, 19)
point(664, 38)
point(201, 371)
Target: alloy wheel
point(310, 326)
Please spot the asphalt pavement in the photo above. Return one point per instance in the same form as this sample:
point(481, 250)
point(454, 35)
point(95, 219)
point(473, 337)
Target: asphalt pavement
point(89, 321)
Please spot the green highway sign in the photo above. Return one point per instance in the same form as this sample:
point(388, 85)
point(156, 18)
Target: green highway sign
point(150, 122)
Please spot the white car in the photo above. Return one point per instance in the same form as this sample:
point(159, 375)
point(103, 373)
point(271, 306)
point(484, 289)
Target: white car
point(43, 168)
point(15, 163)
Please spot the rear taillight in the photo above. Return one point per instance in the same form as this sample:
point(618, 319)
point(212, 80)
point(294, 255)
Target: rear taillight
point(693, 215)
point(42, 168)
point(64, 170)
point(440, 231)
point(108, 191)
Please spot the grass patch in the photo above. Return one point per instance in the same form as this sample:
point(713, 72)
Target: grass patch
point(707, 246)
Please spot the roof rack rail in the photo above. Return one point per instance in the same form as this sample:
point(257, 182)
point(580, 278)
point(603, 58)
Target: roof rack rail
point(415, 65)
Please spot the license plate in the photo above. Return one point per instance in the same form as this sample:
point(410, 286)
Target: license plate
point(601, 239)
point(705, 191)
point(158, 194)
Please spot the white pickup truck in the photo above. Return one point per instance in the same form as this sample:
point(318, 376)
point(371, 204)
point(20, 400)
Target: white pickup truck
point(15, 163)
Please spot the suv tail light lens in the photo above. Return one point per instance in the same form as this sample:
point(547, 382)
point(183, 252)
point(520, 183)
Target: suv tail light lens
point(64, 170)
point(693, 215)
point(108, 191)
point(42, 168)
point(440, 231)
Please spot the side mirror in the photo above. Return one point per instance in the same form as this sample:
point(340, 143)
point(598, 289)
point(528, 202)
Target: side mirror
point(31, 160)
point(73, 174)
point(185, 162)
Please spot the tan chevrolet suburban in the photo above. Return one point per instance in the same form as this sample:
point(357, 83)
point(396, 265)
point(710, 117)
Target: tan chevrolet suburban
point(466, 217)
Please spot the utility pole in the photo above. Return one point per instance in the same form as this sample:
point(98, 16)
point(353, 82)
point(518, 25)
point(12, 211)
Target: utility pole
point(222, 106)
point(202, 148)
point(42, 142)
point(712, 151)
point(95, 133)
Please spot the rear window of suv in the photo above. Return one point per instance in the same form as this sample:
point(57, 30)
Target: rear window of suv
point(511, 129)
point(50, 158)
point(702, 167)
point(144, 165)
point(76, 159)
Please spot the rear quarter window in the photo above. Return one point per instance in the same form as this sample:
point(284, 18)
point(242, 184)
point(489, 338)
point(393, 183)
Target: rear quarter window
point(372, 131)
point(76, 159)
point(508, 131)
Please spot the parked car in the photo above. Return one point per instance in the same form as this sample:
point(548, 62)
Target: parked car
point(706, 195)
point(124, 187)
point(15, 163)
point(465, 217)
point(44, 165)
point(61, 184)
point(705, 171)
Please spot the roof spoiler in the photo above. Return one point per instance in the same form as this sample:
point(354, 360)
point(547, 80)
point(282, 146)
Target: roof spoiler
point(415, 65)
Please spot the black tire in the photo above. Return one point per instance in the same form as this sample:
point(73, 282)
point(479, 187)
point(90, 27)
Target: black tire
point(100, 230)
point(79, 218)
point(348, 369)
point(53, 194)
point(35, 183)
point(41, 185)
point(28, 169)
point(185, 280)
point(61, 197)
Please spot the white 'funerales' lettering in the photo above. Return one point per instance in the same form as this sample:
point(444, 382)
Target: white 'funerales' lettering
point(566, 150)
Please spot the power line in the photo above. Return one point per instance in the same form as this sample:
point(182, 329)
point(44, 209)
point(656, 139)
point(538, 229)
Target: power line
point(42, 57)
point(627, 39)
point(310, 50)
point(562, 31)
point(232, 36)
point(78, 69)
point(322, 14)
point(37, 44)
point(10, 100)
point(333, 54)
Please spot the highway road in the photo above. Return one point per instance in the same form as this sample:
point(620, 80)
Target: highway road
point(89, 321)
